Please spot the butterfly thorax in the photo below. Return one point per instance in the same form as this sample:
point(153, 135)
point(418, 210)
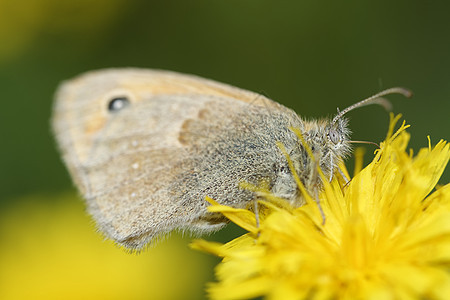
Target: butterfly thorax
point(328, 143)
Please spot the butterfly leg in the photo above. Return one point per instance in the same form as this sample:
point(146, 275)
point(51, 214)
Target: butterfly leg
point(322, 214)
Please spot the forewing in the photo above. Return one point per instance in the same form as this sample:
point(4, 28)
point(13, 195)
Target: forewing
point(125, 162)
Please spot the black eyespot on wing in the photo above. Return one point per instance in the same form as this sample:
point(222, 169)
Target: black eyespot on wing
point(118, 103)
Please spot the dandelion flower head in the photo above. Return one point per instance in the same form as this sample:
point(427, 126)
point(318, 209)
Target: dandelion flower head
point(386, 235)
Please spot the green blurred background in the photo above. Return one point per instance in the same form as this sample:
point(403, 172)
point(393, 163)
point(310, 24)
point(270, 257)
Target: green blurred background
point(312, 56)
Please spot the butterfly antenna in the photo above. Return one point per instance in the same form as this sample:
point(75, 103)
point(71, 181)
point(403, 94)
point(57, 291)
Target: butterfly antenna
point(365, 142)
point(375, 99)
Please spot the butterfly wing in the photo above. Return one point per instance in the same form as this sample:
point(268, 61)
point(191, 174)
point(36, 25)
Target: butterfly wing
point(145, 169)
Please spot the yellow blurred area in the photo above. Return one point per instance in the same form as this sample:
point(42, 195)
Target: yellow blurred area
point(50, 250)
point(23, 21)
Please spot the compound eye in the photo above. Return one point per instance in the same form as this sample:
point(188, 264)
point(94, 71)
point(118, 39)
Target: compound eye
point(334, 136)
point(118, 103)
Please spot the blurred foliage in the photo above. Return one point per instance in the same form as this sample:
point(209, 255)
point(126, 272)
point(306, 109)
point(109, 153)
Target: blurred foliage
point(22, 23)
point(313, 56)
point(310, 55)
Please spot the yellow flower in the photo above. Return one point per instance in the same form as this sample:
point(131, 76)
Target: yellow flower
point(49, 250)
point(386, 236)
